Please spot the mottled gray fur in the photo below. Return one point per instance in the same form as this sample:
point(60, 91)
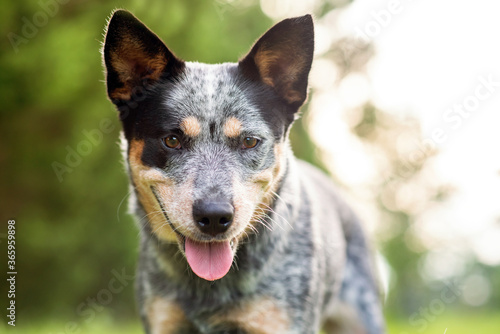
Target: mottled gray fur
point(306, 260)
point(314, 246)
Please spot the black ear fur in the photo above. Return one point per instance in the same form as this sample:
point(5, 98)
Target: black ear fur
point(282, 59)
point(134, 56)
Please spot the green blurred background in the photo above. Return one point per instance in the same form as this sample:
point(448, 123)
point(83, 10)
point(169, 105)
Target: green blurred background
point(74, 235)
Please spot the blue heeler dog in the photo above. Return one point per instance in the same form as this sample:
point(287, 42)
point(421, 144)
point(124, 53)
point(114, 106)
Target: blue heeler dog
point(237, 236)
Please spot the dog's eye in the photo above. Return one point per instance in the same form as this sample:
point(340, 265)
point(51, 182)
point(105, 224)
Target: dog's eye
point(172, 141)
point(250, 142)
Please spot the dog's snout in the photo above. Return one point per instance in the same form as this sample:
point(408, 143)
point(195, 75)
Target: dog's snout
point(213, 217)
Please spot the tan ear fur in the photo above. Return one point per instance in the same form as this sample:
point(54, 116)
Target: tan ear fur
point(282, 58)
point(134, 56)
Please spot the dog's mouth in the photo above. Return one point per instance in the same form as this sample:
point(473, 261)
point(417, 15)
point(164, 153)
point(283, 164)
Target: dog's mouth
point(209, 259)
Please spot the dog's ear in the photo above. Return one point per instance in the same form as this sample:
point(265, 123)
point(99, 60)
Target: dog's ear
point(134, 57)
point(282, 58)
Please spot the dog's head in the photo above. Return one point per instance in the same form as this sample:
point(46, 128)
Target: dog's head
point(207, 144)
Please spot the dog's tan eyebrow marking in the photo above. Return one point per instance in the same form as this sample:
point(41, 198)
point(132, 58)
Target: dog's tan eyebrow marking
point(232, 127)
point(190, 126)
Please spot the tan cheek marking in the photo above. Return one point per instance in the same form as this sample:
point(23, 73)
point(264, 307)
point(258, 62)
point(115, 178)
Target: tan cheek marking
point(143, 177)
point(246, 196)
point(232, 127)
point(165, 317)
point(190, 126)
point(261, 316)
point(253, 198)
point(269, 179)
point(178, 201)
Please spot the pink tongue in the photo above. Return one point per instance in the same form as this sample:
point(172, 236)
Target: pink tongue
point(209, 260)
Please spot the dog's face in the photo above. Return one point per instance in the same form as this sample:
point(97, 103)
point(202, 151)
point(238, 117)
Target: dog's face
point(206, 143)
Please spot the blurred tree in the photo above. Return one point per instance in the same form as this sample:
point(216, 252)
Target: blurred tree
point(62, 179)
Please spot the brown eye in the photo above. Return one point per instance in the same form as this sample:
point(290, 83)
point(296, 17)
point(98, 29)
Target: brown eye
point(250, 142)
point(172, 142)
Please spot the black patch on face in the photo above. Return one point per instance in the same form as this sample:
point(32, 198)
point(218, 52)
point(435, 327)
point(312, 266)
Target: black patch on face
point(143, 116)
point(151, 122)
point(151, 154)
point(152, 119)
point(271, 93)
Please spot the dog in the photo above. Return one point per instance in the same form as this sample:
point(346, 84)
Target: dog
point(236, 234)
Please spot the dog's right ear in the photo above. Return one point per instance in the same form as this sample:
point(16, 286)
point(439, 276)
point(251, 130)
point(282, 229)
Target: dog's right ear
point(282, 59)
point(134, 57)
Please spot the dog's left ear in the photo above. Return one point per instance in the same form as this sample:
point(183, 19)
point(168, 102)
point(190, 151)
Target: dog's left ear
point(282, 59)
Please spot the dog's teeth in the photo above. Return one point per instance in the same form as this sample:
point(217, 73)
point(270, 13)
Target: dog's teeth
point(231, 243)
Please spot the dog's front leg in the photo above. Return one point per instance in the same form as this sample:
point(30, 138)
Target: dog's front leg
point(163, 316)
point(261, 315)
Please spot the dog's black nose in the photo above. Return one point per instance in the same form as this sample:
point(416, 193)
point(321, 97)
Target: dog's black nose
point(213, 217)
